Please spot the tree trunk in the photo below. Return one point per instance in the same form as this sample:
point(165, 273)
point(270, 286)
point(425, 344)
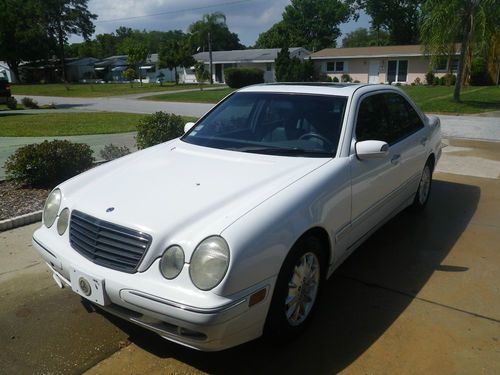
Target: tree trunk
point(61, 47)
point(461, 59)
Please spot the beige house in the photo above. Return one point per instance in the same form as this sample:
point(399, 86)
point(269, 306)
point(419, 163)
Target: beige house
point(381, 64)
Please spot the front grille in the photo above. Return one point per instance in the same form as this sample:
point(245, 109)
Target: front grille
point(107, 244)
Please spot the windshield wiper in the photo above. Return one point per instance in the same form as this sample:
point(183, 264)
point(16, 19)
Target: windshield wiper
point(282, 151)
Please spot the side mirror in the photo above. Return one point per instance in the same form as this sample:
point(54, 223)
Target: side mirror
point(188, 126)
point(371, 149)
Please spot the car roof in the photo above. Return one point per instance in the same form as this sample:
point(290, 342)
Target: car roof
point(340, 89)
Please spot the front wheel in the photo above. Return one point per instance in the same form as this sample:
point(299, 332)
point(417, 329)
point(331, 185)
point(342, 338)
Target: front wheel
point(424, 188)
point(296, 291)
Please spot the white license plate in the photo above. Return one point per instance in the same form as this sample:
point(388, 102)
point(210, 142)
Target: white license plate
point(89, 287)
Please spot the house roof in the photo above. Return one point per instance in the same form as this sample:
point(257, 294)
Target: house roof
point(249, 55)
point(376, 51)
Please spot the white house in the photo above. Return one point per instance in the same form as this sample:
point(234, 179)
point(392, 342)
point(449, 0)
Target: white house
point(248, 58)
point(5, 71)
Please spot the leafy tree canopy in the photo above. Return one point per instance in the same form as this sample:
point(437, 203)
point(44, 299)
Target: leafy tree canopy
point(362, 37)
point(313, 24)
point(215, 25)
point(400, 18)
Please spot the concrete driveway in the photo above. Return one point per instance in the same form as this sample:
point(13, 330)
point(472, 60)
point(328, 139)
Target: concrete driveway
point(420, 296)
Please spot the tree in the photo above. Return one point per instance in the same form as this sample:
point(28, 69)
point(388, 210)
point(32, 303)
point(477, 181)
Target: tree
point(471, 22)
point(23, 33)
point(174, 54)
point(130, 75)
point(201, 73)
point(362, 37)
point(398, 17)
point(68, 17)
point(313, 24)
point(293, 69)
point(137, 55)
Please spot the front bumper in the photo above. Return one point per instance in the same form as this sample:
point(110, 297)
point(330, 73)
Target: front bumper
point(215, 323)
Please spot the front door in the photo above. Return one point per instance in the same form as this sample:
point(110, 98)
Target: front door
point(373, 71)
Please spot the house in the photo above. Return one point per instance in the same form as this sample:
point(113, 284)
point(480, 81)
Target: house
point(381, 64)
point(111, 68)
point(5, 71)
point(248, 58)
point(81, 69)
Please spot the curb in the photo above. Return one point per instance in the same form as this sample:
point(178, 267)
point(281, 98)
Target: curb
point(20, 221)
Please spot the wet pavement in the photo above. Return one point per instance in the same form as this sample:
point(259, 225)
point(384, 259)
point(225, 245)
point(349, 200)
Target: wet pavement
point(422, 295)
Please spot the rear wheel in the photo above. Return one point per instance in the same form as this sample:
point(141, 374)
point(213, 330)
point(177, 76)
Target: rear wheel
point(296, 291)
point(424, 188)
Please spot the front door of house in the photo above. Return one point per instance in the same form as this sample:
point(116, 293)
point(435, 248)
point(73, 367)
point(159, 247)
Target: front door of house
point(373, 70)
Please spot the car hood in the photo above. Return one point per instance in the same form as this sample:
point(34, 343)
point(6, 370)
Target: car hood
point(180, 193)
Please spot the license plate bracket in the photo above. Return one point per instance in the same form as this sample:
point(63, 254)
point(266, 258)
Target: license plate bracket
point(89, 287)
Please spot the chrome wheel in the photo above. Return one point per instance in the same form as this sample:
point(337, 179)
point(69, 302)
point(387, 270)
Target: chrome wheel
point(425, 185)
point(302, 289)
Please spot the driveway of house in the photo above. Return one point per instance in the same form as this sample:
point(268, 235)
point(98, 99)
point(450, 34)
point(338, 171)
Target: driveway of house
point(421, 296)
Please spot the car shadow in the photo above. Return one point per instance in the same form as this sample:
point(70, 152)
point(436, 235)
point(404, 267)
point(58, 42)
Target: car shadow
point(359, 302)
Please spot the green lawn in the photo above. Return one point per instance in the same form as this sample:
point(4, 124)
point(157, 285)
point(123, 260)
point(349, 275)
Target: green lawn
point(205, 96)
point(88, 90)
point(63, 124)
point(438, 99)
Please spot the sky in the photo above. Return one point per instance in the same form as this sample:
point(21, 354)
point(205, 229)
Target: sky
point(247, 18)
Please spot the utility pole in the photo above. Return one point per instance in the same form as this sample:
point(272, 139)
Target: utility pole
point(210, 56)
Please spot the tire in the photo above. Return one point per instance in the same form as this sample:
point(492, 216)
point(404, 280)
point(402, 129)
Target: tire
point(424, 188)
point(295, 294)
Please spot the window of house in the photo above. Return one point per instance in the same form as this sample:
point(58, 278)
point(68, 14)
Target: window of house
point(454, 64)
point(269, 67)
point(444, 64)
point(397, 70)
point(335, 66)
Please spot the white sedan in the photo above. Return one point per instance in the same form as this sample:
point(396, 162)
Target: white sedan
point(229, 231)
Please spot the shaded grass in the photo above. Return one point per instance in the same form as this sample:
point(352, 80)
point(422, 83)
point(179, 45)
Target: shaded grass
point(439, 99)
point(63, 124)
point(205, 96)
point(87, 90)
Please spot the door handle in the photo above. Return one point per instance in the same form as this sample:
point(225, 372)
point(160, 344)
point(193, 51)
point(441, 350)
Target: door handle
point(396, 159)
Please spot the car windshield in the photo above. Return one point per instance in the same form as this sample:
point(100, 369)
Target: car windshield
point(271, 123)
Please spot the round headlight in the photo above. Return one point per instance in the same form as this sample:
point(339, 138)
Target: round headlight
point(171, 262)
point(209, 263)
point(51, 207)
point(62, 222)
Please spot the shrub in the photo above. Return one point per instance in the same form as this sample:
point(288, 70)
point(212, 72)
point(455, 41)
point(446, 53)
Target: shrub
point(346, 78)
point(48, 163)
point(241, 77)
point(435, 81)
point(11, 102)
point(429, 78)
point(356, 81)
point(335, 79)
point(417, 82)
point(29, 103)
point(111, 152)
point(157, 128)
point(449, 79)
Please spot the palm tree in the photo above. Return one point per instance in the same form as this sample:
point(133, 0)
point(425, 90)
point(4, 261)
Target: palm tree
point(446, 22)
point(205, 29)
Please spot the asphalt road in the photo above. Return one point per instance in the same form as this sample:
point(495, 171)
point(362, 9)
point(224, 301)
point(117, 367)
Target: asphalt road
point(420, 296)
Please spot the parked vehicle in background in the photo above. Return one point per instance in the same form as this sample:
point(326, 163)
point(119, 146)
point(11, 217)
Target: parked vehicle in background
point(5, 93)
point(229, 231)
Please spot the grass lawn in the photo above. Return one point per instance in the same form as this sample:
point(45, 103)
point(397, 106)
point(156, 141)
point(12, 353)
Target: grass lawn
point(438, 99)
point(3, 107)
point(87, 90)
point(62, 124)
point(205, 96)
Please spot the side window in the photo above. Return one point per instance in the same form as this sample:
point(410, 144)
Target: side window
point(372, 122)
point(404, 119)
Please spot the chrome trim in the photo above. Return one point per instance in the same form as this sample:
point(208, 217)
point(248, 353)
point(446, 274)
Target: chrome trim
point(181, 306)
